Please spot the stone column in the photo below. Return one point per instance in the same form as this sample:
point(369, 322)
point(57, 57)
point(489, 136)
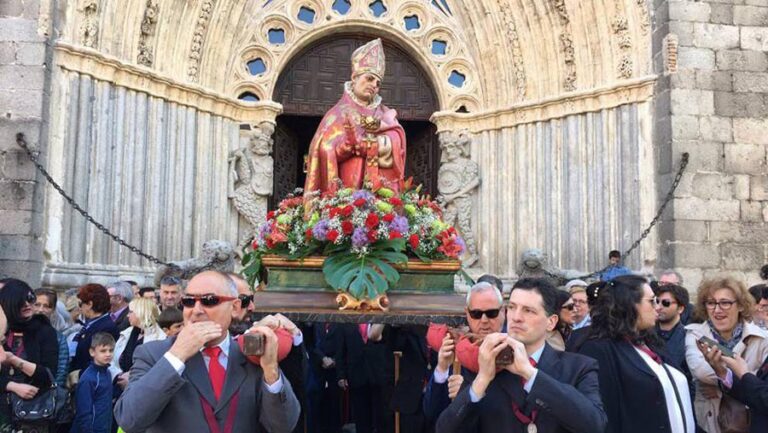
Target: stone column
point(712, 101)
point(23, 101)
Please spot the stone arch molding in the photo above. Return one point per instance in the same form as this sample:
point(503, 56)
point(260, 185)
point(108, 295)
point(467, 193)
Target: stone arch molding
point(450, 66)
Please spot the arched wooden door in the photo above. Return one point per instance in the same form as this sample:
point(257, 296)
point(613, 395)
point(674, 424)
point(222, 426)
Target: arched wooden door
point(313, 82)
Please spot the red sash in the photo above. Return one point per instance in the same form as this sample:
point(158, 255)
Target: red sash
point(210, 418)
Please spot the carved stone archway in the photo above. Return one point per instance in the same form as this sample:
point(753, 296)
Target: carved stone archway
point(312, 83)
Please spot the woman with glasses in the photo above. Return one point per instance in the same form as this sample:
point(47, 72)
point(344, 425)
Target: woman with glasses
point(641, 392)
point(94, 307)
point(31, 347)
point(558, 336)
point(142, 316)
point(727, 306)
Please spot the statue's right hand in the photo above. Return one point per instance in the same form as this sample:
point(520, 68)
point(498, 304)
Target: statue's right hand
point(193, 337)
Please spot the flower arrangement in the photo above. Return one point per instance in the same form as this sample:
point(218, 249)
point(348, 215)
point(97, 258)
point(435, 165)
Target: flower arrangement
point(362, 232)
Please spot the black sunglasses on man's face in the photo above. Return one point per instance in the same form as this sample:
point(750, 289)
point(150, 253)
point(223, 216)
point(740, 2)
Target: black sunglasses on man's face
point(478, 314)
point(245, 300)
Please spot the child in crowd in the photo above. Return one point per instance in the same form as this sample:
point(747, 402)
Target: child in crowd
point(171, 321)
point(94, 394)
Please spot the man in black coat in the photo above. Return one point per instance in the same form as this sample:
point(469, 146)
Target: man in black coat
point(360, 359)
point(323, 393)
point(540, 389)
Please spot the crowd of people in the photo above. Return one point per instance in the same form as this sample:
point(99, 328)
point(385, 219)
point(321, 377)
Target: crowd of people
point(623, 354)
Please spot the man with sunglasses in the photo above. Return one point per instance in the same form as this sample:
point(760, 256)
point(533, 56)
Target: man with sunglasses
point(671, 301)
point(200, 381)
point(541, 390)
point(483, 312)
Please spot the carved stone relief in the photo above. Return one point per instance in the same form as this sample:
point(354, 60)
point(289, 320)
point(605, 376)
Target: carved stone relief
point(251, 176)
point(566, 46)
point(146, 36)
point(670, 53)
point(89, 30)
point(517, 53)
point(645, 20)
point(624, 41)
point(457, 180)
point(201, 29)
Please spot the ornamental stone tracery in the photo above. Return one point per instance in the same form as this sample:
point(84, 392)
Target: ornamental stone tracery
point(427, 31)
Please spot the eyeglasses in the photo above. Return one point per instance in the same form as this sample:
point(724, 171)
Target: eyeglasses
point(568, 307)
point(189, 301)
point(665, 302)
point(724, 305)
point(245, 300)
point(31, 298)
point(478, 314)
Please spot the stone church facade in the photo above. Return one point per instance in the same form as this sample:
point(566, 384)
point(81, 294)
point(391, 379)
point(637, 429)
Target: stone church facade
point(577, 114)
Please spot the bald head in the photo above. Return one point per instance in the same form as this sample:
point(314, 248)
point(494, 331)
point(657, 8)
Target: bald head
point(211, 283)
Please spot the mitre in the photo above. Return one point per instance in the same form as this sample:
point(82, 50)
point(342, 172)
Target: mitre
point(369, 58)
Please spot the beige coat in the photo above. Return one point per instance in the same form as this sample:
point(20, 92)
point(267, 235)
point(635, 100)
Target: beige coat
point(753, 347)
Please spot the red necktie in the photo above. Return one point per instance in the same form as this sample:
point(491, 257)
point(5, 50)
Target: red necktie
point(215, 370)
point(364, 332)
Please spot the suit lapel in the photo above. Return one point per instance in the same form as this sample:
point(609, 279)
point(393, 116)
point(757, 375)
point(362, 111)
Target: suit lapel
point(196, 373)
point(549, 361)
point(512, 386)
point(235, 376)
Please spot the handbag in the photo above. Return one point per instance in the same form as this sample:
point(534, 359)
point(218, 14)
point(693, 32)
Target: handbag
point(733, 416)
point(51, 406)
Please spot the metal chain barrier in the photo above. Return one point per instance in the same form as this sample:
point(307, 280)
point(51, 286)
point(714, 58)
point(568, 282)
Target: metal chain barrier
point(22, 142)
point(668, 198)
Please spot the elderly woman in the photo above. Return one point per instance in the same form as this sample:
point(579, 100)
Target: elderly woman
point(641, 391)
point(727, 306)
point(94, 307)
point(142, 316)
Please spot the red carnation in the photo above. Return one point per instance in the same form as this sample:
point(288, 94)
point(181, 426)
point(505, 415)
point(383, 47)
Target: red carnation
point(388, 217)
point(347, 210)
point(394, 234)
point(347, 227)
point(270, 243)
point(308, 234)
point(414, 241)
point(254, 244)
point(394, 201)
point(333, 212)
point(332, 235)
point(359, 202)
point(372, 236)
point(270, 214)
point(372, 220)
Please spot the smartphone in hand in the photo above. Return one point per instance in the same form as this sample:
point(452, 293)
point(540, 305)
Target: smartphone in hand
point(712, 344)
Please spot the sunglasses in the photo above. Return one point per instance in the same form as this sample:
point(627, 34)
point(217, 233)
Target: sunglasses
point(189, 301)
point(568, 307)
point(478, 314)
point(31, 298)
point(245, 300)
point(665, 302)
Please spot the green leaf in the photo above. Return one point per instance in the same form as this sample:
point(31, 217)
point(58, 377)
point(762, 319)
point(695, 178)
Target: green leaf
point(389, 272)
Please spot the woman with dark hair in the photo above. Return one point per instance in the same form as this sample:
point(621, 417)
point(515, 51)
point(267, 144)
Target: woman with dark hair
point(564, 307)
point(31, 346)
point(94, 307)
point(640, 391)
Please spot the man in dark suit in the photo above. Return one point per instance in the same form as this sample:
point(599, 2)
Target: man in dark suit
point(360, 359)
point(541, 389)
point(200, 381)
point(484, 316)
point(323, 392)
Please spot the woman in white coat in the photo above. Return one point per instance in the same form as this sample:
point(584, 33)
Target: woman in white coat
point(726, 306)
point(142, 316)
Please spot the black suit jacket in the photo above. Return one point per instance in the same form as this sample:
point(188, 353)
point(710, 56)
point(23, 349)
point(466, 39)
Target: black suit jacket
point(358, 362)
point(633, 396)
point(565, 393)
point(752, 390)
point(122, 321)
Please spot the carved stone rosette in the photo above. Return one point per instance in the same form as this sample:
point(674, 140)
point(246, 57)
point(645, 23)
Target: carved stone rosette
point(624, 41)
point(457, 180)
point(198, 39)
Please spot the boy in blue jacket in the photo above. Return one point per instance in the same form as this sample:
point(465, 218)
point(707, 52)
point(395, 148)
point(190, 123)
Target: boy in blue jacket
point(93, 398)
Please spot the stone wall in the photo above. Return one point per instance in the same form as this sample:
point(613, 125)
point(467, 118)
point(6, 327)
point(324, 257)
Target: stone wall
point(715, 107)
point(23, 102)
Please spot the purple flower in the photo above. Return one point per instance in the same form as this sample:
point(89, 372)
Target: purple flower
point(320, 230)
point(362, 194)
point(359, 238)
point(264, 230)
point(461, 244)
point(399, 224)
